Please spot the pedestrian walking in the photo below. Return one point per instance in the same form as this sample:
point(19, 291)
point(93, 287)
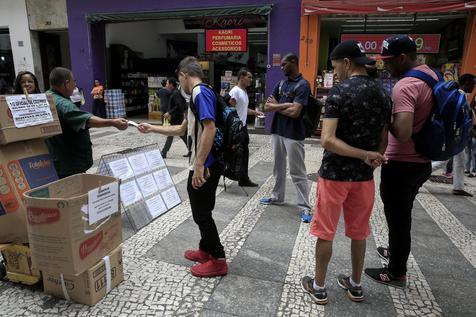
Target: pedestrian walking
point(467, 83)
point(354, 136)
point(164, 94)
point(239, 100)
point(287, 102)
point(99, 107)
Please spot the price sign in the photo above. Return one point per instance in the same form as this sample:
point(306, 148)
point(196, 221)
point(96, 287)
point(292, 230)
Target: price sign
point(425, 43)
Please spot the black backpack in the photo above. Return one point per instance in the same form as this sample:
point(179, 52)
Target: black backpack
point(312, 112)
point(229, 143)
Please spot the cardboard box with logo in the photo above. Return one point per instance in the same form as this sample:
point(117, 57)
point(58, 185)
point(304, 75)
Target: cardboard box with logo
point(62, 236)
point(23, 166)
point(33, 117)
point(92, 285)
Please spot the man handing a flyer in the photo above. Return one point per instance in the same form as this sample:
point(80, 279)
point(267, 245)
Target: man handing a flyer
point(205, 170)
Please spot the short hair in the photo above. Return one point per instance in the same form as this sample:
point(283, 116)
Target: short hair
point(59, 76)
point(243, 72)
point(190, 65)
point(17, 84)
point(292, 58)
point(466, 78)
point(163, 82)
point(172, 81)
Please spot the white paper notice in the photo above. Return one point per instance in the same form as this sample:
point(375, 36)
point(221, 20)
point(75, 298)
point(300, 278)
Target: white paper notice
point(130, 193)
point(171, 197)
point(121, 169)
point(103, 202)
point(147, 185)
point(135, 124)
point(28, 113)
point(163, 179)
point(155, 159)
point(156, 206)
point(139, 164)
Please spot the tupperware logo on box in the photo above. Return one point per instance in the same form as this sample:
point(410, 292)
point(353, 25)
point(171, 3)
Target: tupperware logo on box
point(39, 216)
point(91, 244)
point(39, 170)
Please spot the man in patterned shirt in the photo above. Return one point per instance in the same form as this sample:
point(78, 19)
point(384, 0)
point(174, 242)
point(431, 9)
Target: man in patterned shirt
point(354, 137)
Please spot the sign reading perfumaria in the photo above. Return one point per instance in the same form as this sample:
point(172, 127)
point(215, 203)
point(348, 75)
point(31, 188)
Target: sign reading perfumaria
point(230, 40)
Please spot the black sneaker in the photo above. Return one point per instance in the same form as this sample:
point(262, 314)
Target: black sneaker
point(247, 183)
point(382, 275)
point(384, 254)
point(318, 296)
point(355, 292)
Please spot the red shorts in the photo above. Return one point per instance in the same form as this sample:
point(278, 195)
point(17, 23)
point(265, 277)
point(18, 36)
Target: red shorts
point(356, 199)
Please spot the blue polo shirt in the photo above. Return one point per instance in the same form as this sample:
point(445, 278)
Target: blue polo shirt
point(292, 91)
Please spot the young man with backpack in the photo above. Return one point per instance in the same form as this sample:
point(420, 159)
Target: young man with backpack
point(239, 100)
point(205, 168)
point(288, 102)
point(406, 170)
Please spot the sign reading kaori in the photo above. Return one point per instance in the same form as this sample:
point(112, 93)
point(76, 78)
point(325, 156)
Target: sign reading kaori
point(227, 40)
point(372, 43)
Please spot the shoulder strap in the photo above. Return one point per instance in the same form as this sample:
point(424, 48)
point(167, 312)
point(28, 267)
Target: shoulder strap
point(422, 76)
point(280, 89)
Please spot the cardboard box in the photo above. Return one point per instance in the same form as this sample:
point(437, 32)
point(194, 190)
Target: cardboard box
point(18, 259)
point(91, 286)
point(61, 238)
point(9, 133)
point(23, 166)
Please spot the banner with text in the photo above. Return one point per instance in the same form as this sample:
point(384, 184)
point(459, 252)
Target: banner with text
point(425, 43)
point(230, 40)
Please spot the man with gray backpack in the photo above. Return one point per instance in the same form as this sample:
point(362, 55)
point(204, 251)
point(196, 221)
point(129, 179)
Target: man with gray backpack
point(430, 122)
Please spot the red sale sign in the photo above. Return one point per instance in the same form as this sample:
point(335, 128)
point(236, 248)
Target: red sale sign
point(425, 43)
point(230, 40)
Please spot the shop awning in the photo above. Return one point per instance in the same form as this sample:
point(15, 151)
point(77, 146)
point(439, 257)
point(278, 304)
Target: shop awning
point(178, 14)
point(320, 7)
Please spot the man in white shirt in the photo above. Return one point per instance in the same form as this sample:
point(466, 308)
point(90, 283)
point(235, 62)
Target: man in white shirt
point(239, 100)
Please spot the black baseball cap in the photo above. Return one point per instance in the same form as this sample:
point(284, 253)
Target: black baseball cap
point(396, 45)
point(352, 50)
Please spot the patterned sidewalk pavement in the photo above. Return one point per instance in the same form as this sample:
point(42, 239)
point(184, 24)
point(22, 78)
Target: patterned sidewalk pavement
point(268, 250)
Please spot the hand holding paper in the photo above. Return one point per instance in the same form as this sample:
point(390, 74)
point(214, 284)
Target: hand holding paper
point(145, 128)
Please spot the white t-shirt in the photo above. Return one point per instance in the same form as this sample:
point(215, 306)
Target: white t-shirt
point(242, 101)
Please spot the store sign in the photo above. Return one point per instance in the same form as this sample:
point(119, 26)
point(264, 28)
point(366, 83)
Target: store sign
point(231, 40)
point(425, 43)
point(226, 22)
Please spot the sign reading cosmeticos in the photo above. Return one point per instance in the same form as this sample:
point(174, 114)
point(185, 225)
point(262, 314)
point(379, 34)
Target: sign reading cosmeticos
point(227, 40)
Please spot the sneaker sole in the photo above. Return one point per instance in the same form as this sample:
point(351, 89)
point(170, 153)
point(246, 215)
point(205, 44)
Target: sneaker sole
point(195, 260)
point(385, 283)
point(315, 299)
point(213, 274)
point(272, 203)
point(352, 297)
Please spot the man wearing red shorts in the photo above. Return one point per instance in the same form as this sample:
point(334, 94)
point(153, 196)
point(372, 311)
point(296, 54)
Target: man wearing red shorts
point(354, 137)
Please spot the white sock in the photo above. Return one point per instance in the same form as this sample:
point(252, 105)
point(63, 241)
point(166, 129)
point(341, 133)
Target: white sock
point(317, 287)
point(352, 282)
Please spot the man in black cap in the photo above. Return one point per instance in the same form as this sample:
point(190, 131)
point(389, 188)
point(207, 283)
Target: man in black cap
point(406, 170)
point(354, 136)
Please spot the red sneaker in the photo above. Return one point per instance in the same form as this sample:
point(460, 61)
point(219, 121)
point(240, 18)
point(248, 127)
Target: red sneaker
point(211, 268)
point(197, 256)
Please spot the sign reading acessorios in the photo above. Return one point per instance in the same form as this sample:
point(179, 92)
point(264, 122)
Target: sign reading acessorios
point(425, 43)
point(226, 40)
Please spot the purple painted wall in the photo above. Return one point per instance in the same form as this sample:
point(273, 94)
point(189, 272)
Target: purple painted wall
point(87, 42)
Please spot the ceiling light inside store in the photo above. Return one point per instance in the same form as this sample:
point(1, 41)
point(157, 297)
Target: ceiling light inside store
point(2, 58)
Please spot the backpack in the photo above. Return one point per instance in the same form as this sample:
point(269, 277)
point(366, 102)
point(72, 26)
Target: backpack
point(312, 111)
point(446, 132)
point(229, 143)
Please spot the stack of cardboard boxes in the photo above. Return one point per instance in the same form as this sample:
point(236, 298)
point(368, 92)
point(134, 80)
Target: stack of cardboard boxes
point(75, 233)
point(80, 258)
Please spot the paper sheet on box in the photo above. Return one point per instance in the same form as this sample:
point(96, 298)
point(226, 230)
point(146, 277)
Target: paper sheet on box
point(163, 179)
point(147, 185)
point(156, 206)
point(103, 202)
point(28, 113)
point(139, 164)
point(130, 193)
point(171, 197)
point(121, 169)
point(155, 159)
